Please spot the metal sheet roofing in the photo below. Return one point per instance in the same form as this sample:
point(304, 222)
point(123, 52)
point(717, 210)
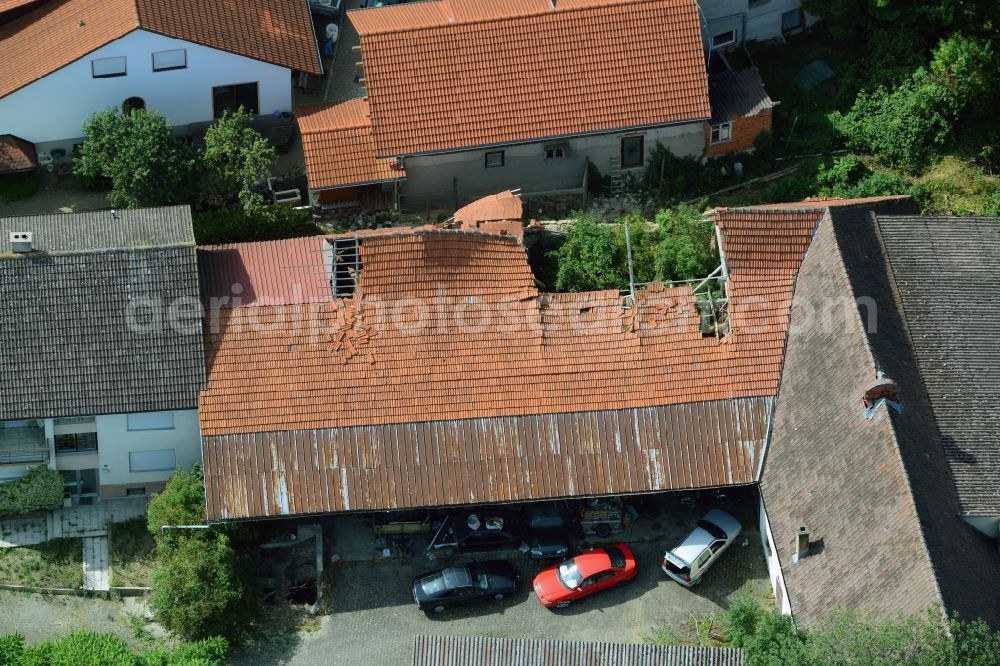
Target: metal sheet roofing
point(59, 32)
point(481, 651)
point(451, 75)
point(280, 272)
point(98, 321)
point(472, 461)
point(339, 148)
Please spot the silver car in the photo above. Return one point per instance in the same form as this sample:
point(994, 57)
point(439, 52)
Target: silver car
point(713, 534)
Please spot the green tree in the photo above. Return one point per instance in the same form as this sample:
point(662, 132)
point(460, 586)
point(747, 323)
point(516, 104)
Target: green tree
point(686, 244)
point(182, 501)
point(198, 587)
point(237, 157)
point(138, 155)
point(591, 258)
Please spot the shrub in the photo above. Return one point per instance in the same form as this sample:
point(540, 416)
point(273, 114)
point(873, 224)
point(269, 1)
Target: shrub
point(138, 154)
point(207, 652)
point(685, 250)
point(81, 648)
point(11, 649)
point(591, 258)
point(17, 187)
point(39, 489)
point(182, 501)
point(198, 587)
point(849, 178)
point(258, 224)
point(237, 157)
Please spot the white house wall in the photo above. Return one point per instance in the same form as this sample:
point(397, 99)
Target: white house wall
point(116, 441)
point(760, 22)
point(50, 112)
point(773, 566)
point(453, 179)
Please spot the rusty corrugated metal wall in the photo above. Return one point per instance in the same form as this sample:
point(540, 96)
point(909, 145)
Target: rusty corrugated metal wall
point(471, 461)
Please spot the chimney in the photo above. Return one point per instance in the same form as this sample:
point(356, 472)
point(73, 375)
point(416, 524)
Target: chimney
point(882, 387)
point(20, 242)
point(801, 544)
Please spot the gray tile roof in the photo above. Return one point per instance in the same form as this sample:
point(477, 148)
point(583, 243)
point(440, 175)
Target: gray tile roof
point(98, 230)
point(467, 650)
point(75, 335)
point(876, 493)
point(947, 276)
point(737, 95)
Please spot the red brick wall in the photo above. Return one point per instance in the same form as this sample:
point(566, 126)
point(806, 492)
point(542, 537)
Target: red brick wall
point(745, 132)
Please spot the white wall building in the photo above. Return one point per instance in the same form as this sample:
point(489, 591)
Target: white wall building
point(189, 71)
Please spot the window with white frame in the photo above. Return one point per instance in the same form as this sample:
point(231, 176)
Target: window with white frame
point(724, 39)
point(105, 68)
point(722, 133)
point(152, 461)
point(151, 421)
point(164, 61)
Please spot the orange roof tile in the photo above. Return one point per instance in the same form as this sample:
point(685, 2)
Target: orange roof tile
point(60, 32)
point(16, 154)
point(820, 203)
point(450, 325)
point(501, 206)
point(453, 74)
point(338, 146)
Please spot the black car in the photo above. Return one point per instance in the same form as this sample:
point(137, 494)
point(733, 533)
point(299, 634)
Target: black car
point(547, 534)
point(438, 590)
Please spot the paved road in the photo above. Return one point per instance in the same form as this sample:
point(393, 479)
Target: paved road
point(373, 619)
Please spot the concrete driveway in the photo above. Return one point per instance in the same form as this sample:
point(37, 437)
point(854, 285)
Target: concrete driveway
point(373, 618)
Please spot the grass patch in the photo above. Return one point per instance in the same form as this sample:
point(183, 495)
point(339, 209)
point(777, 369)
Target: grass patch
point(956, 187)
point(132, 550)
point(18, 186)
point(696, 630)
point(55, 563)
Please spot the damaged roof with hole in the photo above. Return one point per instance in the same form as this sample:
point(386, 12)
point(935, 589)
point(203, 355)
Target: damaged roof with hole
point(879, 492)
point(102, 317)
point(447, 377)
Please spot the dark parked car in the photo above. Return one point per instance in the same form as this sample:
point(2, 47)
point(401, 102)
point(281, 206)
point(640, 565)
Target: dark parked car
point(547, 533)
point(476, 581)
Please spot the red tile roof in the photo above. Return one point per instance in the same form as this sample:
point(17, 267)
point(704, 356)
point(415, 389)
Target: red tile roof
point(453, 74)
point(267, 273)
point(60, 32)
point(16, 154)
point(339, 148)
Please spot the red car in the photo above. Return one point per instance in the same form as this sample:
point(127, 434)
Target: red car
point(587, 573)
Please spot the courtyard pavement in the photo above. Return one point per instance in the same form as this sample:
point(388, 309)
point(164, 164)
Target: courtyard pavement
point(373, 620)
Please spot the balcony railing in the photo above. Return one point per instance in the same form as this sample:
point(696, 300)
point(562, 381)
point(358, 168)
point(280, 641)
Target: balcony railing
point(23, 456)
